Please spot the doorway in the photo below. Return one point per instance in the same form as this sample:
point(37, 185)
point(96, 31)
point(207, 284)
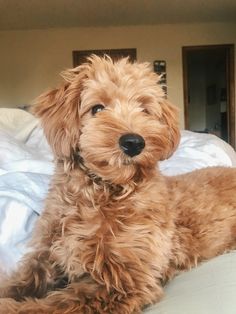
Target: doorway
point(208, 73)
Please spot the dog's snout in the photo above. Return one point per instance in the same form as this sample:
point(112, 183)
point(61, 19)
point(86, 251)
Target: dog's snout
point(131, 144)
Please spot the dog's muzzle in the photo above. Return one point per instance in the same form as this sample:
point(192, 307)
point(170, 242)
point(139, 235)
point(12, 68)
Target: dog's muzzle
point(131, 144)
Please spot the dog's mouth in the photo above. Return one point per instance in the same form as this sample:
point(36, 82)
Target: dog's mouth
point(125, 162)
point(119, 170)
point(128, 162)
point(117, 162)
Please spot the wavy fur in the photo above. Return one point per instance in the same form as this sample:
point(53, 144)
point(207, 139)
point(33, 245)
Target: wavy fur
point(114, 229)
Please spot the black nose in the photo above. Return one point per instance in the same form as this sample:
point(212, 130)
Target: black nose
point(131, 144)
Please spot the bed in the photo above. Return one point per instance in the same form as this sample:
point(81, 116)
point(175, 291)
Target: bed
point(26, 166)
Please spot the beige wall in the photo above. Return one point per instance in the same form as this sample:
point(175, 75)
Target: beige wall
point(31, 60)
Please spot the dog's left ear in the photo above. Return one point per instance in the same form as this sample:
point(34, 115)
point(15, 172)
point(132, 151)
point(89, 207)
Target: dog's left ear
point(58, 111)
point(169, 117)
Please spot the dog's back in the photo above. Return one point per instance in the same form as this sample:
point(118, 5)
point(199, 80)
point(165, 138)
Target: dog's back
point(205, 204)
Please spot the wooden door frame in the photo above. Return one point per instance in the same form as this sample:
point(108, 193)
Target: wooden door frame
point(231, 86)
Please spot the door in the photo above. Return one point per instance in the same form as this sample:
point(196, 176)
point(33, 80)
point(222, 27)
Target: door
point(208, 74)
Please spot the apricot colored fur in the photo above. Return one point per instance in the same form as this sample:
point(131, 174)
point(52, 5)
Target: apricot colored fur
point(114, 229)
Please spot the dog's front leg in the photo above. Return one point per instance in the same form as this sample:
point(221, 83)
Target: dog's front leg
point(83, 297)
point(34, 277)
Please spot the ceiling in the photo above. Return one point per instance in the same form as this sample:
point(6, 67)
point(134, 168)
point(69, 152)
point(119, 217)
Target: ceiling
point(37, 14)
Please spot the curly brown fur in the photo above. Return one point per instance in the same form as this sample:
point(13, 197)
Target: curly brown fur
point(114, 228)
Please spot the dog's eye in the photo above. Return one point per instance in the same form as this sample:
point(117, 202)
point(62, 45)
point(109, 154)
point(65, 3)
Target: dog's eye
point(97, 108)
point(146, 111)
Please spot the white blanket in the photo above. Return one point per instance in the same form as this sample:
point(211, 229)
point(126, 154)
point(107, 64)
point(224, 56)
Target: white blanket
point(26, 166)
point(25, 169)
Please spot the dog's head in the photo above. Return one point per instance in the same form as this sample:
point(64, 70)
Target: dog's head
point(114, 115)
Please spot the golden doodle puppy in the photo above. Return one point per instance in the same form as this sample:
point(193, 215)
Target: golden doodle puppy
point(114, 229)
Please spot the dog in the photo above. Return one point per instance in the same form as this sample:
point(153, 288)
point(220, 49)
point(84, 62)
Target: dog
point(114, 229)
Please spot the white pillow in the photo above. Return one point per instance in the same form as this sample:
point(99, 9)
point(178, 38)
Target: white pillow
point(17, 123)
point(198, 150)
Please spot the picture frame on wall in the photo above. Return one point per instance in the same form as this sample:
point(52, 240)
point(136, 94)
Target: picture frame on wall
point(79, 56)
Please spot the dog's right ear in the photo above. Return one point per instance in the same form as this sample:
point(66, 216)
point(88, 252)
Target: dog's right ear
point(58, 111)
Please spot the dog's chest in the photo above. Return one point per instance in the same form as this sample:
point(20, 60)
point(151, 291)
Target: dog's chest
point(101, 228)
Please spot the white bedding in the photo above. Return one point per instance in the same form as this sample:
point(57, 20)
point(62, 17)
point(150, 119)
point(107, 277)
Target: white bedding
point(26, 166)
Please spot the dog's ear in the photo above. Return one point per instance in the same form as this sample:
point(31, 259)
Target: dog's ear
point(58, 111)
point(169, 117)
